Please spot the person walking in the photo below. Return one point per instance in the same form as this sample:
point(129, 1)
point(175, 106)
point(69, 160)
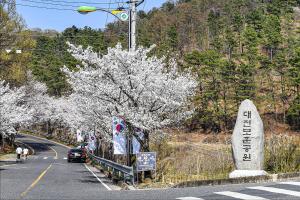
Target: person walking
point(19, 152)
point(25, 152)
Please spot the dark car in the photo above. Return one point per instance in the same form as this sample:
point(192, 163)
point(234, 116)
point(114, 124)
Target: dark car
point(76, 154)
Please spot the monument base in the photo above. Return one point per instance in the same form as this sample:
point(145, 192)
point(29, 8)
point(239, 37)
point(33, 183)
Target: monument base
point(247, 173)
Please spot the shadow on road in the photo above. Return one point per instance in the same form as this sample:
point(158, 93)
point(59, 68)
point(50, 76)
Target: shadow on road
point(89, 180)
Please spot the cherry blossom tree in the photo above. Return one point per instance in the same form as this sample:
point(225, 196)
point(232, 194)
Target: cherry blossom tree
point(45, 109)
point(13, 110)
point(147, 92)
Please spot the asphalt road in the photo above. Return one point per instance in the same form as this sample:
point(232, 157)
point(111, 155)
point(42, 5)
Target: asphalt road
point(48, 175)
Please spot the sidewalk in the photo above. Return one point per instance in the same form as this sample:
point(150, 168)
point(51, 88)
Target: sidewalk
point(8, 159)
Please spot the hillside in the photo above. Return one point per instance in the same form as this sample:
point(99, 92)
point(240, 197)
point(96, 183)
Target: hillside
point(236, 49)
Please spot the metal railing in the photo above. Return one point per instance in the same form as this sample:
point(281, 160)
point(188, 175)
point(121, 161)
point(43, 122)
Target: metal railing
point(115, 167)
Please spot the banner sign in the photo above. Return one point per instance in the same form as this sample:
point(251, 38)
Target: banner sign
point(146, 161)
point(92, 141)
point(79, 136)
point(119, 136)
point(136, 146)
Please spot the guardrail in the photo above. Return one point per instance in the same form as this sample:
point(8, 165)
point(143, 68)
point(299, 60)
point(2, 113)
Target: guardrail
point(116, 167)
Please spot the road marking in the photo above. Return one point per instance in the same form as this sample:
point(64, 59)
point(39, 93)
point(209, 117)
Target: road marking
point(45, 158)
point(106, 186)
point(35, 181)
point(276, 190)
point(7, 165)
point(240, 195)
point(54, 151)
point(291, 183)
point(65, 158)
point(189, 198)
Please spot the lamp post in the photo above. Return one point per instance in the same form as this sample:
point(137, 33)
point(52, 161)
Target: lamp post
point(123, 16)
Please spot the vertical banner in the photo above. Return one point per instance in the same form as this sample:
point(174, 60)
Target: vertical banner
point(92, 141)
point(136, 146)
point(79, 136)
point(119, 136)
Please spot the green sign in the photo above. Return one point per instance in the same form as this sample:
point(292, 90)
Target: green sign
point(123, 16)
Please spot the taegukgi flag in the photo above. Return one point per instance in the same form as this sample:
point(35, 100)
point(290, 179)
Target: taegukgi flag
point(119, 136)
point(92, 141)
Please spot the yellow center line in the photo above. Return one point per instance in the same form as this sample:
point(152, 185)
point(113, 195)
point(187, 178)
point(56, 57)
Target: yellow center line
point(35, 182)
point(54, 151)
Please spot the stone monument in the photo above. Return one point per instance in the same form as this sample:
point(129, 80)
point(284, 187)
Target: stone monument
point(248, 142)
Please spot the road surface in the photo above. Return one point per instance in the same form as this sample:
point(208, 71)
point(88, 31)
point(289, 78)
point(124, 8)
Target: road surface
point(48, 175)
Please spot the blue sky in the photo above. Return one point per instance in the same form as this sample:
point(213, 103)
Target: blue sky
point(61, 19)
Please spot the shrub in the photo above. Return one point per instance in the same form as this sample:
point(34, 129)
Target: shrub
point(293, 114)
point(282, 154)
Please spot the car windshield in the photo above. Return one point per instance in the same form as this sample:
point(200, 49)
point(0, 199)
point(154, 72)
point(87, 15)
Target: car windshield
point(76, 150)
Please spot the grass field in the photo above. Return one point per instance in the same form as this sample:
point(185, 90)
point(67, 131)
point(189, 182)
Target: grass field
point(196, 156)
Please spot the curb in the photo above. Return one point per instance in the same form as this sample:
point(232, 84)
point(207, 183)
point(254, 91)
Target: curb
point(8, 161)
point(253, 179)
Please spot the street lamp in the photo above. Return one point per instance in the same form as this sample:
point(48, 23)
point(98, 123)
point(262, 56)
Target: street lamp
point(119, 13)
point(122, 15)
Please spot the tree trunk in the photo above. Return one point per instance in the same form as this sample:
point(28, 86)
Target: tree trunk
point(3, 142)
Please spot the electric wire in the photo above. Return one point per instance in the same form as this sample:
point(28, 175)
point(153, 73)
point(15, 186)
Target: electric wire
point(105, 34)
point(47, 8)
point(46, 3)
point(56, 4)
point(82, 2)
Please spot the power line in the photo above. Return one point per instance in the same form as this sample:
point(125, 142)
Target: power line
point(63, 36)
point(46, 3)
point(43, 7)
point(84, 2)
point(55, 4)
point(48, 8)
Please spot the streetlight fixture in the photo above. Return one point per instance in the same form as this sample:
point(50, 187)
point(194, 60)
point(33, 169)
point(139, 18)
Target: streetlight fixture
point(122, 15)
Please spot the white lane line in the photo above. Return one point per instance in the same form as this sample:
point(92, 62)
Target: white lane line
point(106, 186)
point(277, 190)
point(189, 198)
point(8, 165)
point(240, 195)
point(45, 158)
point(54, 151)
point(291, 183)
point(65, 158)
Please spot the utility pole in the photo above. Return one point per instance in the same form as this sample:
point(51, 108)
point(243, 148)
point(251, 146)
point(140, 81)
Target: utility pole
point(132, 26)
point(131, 46)
point(132, 23)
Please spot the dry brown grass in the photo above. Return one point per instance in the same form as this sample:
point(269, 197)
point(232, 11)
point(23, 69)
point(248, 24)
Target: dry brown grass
point(191, 159)
point(282, 153)
point(197, 156)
